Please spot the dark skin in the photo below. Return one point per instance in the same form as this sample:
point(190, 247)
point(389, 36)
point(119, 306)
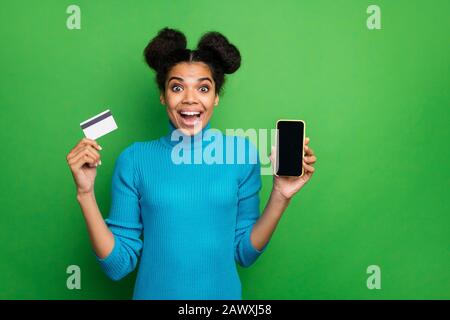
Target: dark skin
point(189, 86)
point(187, 93)
point(184, 90)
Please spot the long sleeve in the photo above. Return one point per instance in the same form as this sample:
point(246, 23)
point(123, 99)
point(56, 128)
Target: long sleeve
point(248, 209)
point(124, 219)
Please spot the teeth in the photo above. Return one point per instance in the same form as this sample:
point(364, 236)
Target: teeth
point(187, 113)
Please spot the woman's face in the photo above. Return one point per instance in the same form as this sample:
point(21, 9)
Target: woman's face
point(190, 96)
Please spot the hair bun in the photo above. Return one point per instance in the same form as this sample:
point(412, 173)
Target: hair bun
point(167, 41)
point(228, 54)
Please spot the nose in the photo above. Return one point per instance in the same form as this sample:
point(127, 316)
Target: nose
point(189, 97)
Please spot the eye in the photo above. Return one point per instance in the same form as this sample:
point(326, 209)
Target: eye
point(175, 86)
point(204, 87)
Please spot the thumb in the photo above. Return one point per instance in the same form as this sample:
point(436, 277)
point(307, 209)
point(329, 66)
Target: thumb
point(272, 154)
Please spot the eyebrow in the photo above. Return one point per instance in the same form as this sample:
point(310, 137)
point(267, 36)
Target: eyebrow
point(181, 79)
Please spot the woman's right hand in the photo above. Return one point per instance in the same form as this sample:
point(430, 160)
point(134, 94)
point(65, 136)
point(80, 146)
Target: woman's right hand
point(83, 160)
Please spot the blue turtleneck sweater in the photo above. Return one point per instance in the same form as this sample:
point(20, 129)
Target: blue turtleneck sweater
point(195, 218)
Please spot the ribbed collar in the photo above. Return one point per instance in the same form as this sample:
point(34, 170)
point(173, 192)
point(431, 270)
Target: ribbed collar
point(184, 140)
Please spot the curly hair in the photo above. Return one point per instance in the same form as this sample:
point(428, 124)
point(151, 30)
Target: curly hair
point(168, 48)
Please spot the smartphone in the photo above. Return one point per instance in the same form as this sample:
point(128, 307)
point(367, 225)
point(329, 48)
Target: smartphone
point(290, 139)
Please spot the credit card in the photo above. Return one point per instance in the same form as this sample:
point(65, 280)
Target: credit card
point(99, 125)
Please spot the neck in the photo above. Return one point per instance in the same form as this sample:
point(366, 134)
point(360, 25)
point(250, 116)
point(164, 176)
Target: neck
point(176, 136)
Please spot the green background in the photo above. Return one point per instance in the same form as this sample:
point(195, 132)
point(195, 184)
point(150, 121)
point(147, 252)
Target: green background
point(376, 104)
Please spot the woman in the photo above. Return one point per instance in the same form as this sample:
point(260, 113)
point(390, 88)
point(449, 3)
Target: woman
point(197, 220)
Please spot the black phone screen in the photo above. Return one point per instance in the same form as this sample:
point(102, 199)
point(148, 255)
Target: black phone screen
point(290, 136)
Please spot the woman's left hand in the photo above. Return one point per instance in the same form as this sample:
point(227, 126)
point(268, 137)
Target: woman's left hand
point(289, 186)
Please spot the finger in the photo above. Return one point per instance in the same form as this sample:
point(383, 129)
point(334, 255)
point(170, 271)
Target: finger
point(95, 155)
point(82, 156)
point(309, 151)
point(272, 154)
point(306, 140)
point(84, 142)
point(92, 143)
point(308, 167)
point(89, 149)
point(76, 150)
point(78, 161)
point(310, 159)
point(85, 152)
point(80, 149)
point(74, 158)
point(91, 162)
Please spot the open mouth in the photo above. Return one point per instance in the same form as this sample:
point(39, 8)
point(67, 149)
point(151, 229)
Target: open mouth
point(190, 118)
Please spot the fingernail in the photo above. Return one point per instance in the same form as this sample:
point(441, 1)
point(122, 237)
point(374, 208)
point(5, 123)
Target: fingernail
point(99, 147)
point(96, 164)
point(100, 162)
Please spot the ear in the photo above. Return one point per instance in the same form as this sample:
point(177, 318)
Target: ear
point(216, 100)
point(161, 98)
